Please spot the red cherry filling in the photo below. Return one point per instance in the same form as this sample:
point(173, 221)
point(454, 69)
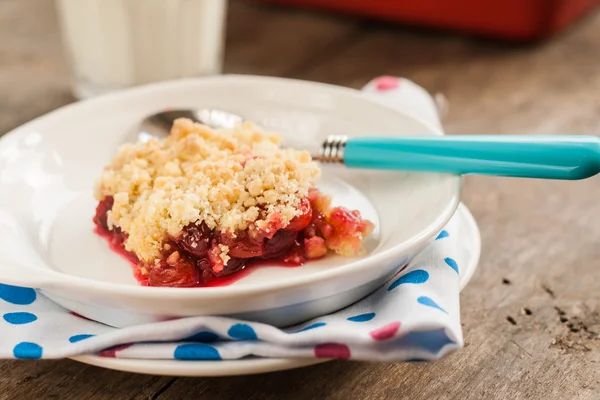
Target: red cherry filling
point(233, 265)
point(195, 239)
point(194, 257)
point(348, 229)
point(115, 237)
point(242, 244)
point(174, 271)
point(279, 244)
point(101, 217)
point(314, 247)
point(300, 221)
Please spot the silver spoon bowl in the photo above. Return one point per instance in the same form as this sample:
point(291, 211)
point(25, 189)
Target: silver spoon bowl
point(159, 125)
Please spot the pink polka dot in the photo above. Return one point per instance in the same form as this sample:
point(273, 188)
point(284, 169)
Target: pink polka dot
point(387, 83)
point(73, 313)
point(112, 352)
point(386, 331)
point(332, 350)
point(400, 270)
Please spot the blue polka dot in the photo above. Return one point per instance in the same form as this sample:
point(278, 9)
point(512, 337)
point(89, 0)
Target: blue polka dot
point(17, 295)
point(242, 332)
point(19, 318)
point(442, 235)
point(27, 351)
point(431, 341)
point(417, 276)
point(451, 263)
point(79, 338)
point(203, 336)
point(427, 301)
point(196, 351)
point(362, 317)
point(309, 327)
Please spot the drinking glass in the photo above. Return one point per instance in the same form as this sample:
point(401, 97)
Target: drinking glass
point(115, 44)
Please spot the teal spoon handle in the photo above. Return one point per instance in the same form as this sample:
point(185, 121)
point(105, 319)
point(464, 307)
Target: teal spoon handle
point(531, 156)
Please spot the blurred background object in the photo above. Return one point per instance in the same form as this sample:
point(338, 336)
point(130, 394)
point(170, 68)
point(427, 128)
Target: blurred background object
point(511, 19)
point(114, 44)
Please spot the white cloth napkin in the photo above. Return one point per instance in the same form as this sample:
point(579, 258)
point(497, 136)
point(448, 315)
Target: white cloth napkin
point(415, 316)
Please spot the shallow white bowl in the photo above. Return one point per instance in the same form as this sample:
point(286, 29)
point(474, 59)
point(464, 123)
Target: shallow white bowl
point(470, 242)
point(48, 167)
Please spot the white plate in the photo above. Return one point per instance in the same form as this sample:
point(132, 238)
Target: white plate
point(48, 168)
point(470, 239)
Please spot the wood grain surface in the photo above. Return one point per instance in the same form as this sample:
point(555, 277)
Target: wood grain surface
point(531, 314)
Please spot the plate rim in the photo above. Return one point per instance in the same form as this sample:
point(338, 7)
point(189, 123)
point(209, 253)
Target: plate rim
point(251, 366)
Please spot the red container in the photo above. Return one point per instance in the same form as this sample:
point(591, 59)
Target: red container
point(509, 19)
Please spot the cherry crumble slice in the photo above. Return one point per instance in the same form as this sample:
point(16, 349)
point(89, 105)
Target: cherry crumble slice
point(204, 250)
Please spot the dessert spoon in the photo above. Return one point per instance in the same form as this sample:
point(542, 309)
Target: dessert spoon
point(529, 156)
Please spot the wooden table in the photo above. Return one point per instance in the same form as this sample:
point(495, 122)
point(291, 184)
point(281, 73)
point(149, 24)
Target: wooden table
point(531, 315)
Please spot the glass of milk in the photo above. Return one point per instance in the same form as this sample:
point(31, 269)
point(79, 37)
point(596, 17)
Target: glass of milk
point(115, 44)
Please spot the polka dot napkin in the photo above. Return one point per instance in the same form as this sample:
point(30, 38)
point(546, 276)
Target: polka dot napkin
point(415, 316)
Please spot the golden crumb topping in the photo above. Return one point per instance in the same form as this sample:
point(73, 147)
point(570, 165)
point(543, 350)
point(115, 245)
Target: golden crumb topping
point(231, 179)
